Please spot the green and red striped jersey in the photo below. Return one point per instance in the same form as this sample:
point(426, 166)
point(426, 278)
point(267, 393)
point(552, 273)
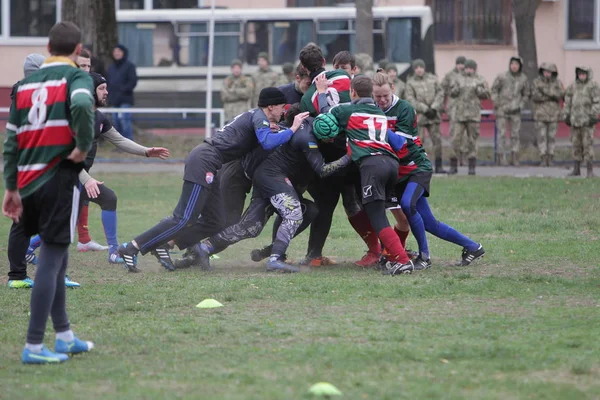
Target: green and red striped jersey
point(402, 119)
point(338, 92)
point(51, 113)
point(365, 126)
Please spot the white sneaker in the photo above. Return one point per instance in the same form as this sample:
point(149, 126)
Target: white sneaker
point(90, 246)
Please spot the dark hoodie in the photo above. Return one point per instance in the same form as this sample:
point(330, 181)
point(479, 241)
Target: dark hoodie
point(122, 79)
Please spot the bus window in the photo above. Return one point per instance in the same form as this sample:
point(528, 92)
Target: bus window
point(282, 40)
point(378, 39)
point(399, 38)
point(195, 36)
point(334, 36)
point(289, 38)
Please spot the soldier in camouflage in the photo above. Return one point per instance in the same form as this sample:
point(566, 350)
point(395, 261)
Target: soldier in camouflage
point(510, 93)
point(236, 92)
point(289, 74)
point(365, 65)
point(425, 94)
point(399, 85)
point(467, 90)
point(546, 93)
point(264, 77)
point(582, 106)
point(446, 83)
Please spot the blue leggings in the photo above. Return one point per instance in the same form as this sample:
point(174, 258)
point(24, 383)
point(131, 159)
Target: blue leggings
point(421, 220)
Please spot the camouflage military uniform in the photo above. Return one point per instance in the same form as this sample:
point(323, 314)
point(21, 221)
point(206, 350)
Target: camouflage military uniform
point(400, 88)
point(236, 94)
point(446, 84)
point(264, 79)
point(510, 92)
point(582, 106)
point(366, 65)
point(287, 76)
point(427, 98)
point(467, 90)
point(546, 94)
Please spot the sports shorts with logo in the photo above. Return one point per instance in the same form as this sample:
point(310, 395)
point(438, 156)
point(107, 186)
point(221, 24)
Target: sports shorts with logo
point(378, 177)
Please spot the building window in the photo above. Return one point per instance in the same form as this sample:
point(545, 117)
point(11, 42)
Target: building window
point(131, 4)
point(472, 21)
point(32, 17)
point(581, 21)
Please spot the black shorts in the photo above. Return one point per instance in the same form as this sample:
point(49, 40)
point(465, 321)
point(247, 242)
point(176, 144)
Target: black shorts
point(202, 164)
point(52, 210)
point(378, 177)
point(268, 183)
point(423, 179)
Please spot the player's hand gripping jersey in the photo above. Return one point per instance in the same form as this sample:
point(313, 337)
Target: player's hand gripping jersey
point(338, 92)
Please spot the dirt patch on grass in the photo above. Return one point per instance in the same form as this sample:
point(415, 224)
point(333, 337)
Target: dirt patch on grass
point(580, 376)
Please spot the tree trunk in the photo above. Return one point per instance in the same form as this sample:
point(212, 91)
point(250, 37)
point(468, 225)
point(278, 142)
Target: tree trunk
point(364, 27)
point(97, 20)
point(524, 13)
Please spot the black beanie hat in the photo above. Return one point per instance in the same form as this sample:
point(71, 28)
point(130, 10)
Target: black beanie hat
point(271, 96)
point(98, 80)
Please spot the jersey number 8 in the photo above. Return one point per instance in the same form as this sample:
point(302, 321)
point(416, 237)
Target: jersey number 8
point(38, 112)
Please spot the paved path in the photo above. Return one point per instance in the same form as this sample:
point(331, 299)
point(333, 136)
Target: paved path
point(521, 172)
point(177, 168)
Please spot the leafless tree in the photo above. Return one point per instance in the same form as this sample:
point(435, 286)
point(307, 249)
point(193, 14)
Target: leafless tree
point(364, 27)
point(524, 14)
point(97, 20)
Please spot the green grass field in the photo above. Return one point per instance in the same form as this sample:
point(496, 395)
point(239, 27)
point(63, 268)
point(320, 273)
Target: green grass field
point(522, 323)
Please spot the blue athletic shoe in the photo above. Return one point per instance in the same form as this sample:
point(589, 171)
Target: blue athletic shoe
point(45, 357)
point(70, 283)
point(74, 347)
point(115, 258)
point(280, 266)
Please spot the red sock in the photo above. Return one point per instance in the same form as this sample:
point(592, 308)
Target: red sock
point(393, 245)
point(402, 235)
point(82, 225)
point(361, 224)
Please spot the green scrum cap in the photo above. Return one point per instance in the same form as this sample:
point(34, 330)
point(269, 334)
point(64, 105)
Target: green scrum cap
point(325, 126)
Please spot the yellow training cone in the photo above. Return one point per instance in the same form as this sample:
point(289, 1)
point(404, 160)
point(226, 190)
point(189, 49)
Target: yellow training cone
point(209, 303)
point(324, 389)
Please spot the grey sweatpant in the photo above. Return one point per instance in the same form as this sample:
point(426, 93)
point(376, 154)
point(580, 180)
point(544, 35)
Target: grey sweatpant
point(48, 296)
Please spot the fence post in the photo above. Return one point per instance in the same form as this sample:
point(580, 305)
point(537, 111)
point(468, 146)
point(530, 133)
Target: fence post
point(495, 143)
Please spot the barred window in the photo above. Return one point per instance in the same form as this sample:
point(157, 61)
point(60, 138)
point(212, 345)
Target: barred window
point(472, 21)
point(32, 17)
point(581, 20)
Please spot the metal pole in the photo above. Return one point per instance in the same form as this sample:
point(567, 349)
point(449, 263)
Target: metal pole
point(209, 74)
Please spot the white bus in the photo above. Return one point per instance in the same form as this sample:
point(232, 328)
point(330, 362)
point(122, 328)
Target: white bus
point(170, 47)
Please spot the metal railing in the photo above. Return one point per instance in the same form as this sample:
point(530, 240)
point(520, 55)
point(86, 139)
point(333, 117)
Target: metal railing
point(184, 112)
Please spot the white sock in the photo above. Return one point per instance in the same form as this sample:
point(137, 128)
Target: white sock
point(66, 336)
point(34, 348)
